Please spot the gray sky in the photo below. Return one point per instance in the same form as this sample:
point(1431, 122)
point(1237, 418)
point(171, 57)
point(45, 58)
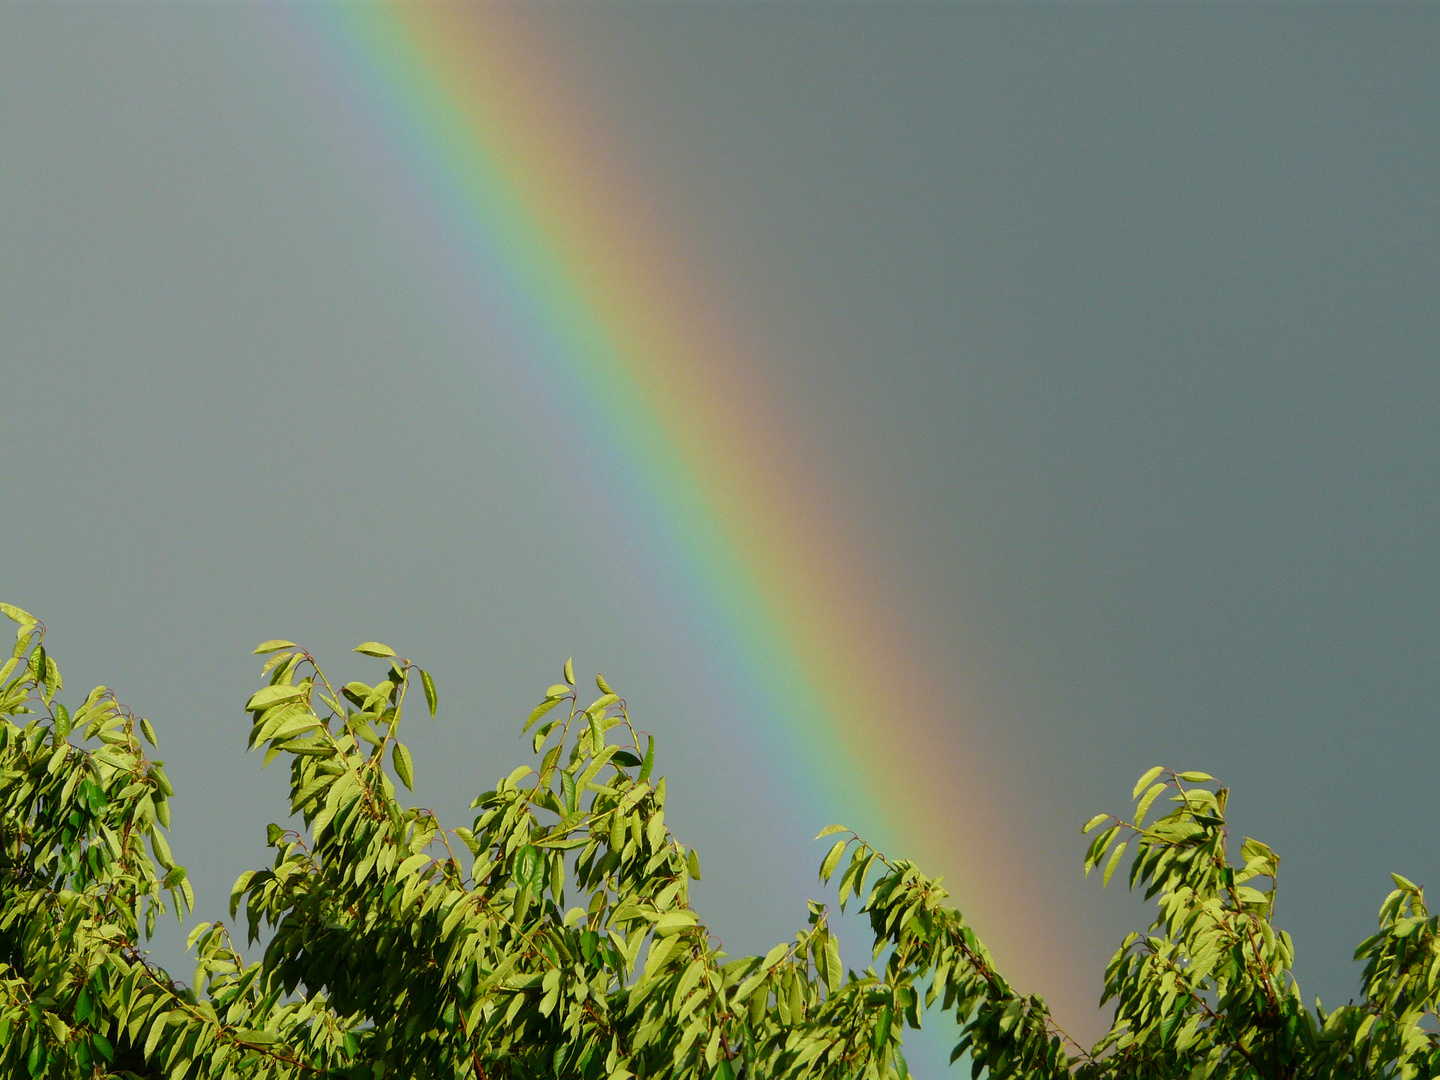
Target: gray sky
point(1117, 323)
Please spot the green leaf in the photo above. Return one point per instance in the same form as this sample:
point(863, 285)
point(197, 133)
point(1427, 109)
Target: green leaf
point(1114, 862)
point(267, 696)
point(1147, 800)
point(774, 955)
point(403, 766)
point(518, 773)
point(1098, 846)
point(834, 973)
point(273, 645)
point(649, 762)
point(603, 686)
point(374, 648)
point(238, 890)
point(1190, 776)
point(1098, 819)
point(16, 615)
point(430, 697)
point(527, 866)
point(599, 705)
point(672, 922)
point(830, 830)
point(567, 788)
point(93, 796)
point(882, 1028)
point(1144, 781)
point(570, 671)
point(149, 733)
point(539, 711)
point(157, 1029)
point(548, 766)
point(832, 859)
point(692, 862)
point(161, 849)
point(1253, 849)
point(1364, 1029)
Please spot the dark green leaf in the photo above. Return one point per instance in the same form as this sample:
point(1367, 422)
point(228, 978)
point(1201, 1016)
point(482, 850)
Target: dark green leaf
point(403, 766)
point(649, 762)
point(528, 866)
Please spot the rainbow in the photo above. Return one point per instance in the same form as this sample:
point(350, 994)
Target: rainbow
point(687, 431)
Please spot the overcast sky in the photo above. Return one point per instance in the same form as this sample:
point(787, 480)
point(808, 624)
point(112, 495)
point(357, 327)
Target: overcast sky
point(1118, 324)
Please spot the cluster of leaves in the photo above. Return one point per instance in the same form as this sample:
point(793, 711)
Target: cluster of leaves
point(553, 936)
point(1209, 991)
point(78, 889)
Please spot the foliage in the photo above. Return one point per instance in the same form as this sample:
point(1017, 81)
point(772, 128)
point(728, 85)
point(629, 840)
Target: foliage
point(400, 948)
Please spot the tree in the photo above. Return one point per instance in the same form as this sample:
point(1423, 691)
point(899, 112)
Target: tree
point(400, 948)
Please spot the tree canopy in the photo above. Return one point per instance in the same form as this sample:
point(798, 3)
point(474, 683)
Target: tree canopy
point(553, 935)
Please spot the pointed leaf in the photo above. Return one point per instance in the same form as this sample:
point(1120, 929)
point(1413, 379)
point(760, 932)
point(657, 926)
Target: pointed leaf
point(539, 711)
point(1144, 781)
point(403, 766)
point(15, 614)
point(649, 762)
point(1114, 862)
